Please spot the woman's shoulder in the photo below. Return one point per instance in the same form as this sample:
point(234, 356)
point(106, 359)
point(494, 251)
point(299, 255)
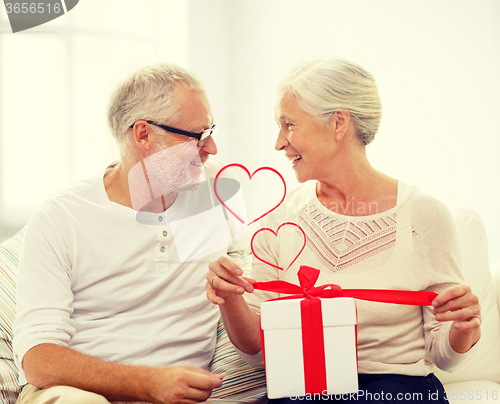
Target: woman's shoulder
point(295, 201)
point(303, 192)
point(427, 203)
point(428, 211)
point(300, 197)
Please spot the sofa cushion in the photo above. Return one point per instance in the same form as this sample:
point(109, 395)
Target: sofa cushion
point(495, 271)
point(9, 261)
point(242, 383)
point(476, 270)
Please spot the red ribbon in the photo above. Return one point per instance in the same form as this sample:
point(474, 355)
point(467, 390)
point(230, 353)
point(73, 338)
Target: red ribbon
point(312, 319)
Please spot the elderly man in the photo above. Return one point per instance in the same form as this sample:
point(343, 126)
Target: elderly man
point(111, 301)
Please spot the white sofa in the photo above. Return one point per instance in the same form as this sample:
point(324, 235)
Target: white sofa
point(477, 381)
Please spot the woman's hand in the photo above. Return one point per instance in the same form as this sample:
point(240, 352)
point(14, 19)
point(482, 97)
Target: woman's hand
point(460, 305)
point(225, 279)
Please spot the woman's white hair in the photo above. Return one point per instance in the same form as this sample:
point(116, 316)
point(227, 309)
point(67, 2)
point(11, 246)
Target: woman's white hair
point(323, 85)
point(148, 94)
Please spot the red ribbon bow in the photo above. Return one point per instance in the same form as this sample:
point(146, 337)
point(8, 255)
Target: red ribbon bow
point(309, 275)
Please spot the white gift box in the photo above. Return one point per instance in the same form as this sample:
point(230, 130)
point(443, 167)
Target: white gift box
point(283, 347)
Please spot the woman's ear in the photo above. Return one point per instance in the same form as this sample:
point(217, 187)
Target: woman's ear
point(141, 133)
point(339, 124)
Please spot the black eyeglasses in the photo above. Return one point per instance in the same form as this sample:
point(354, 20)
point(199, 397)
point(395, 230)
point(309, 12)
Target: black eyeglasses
point(202, 137)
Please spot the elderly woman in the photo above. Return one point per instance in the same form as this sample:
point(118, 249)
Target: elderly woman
point(364, 229)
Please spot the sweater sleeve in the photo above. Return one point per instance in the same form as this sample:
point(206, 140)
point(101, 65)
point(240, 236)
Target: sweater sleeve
point(44, 295)
point(443, 260)
point(241, 255)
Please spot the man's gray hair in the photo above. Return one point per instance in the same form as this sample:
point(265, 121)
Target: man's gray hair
point(323, 85)
point(148, 94)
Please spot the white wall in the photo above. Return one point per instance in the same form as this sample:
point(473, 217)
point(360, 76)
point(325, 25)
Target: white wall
point(436, 64)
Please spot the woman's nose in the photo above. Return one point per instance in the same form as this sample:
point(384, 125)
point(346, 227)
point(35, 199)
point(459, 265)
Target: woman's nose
point(282, 140)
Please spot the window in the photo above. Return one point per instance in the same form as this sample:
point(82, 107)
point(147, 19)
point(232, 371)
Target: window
point(56, 80)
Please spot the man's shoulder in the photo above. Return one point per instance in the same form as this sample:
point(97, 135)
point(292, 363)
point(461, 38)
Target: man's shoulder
point(84, 189)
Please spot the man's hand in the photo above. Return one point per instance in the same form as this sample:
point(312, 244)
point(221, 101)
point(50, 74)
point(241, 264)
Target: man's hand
point(48, 365)
point(225, 279)
point(184, 384)
point(460, 305)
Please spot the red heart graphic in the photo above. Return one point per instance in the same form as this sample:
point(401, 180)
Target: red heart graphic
point(276, 235)
point(249, 176)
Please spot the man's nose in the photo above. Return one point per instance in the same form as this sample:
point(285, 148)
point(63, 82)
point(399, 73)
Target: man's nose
point(209, 147)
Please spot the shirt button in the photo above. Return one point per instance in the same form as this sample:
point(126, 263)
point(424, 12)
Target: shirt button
point(160, 218)
point(165, 233)
point(162, 249)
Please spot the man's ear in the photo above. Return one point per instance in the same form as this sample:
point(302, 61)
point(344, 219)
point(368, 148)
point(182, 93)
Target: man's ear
point(141, 134)
point(340, 123)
